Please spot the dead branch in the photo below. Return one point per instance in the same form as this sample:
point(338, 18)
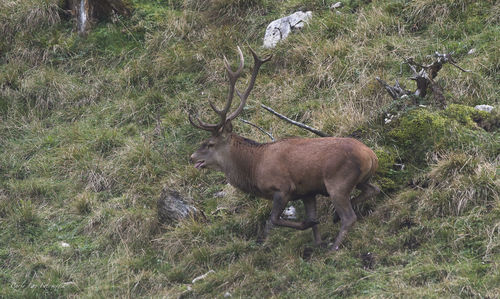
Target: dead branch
point(424, 76)
point(298, 124)
point(260, 129)
point(396, 91)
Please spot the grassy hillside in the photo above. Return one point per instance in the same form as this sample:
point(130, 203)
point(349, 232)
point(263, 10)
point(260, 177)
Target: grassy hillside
point(93, 128)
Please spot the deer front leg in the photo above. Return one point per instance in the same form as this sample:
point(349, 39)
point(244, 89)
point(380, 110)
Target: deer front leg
point(279, 204)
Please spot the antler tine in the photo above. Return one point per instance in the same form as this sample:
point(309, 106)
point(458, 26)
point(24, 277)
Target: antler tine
point(202, 125)
point(233, 76)
point(243, 97)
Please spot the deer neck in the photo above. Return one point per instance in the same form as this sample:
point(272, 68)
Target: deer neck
point(244, 155)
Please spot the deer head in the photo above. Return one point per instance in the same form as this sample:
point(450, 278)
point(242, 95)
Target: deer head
point(213, 151)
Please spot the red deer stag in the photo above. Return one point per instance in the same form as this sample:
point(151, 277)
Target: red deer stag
point(289, 169)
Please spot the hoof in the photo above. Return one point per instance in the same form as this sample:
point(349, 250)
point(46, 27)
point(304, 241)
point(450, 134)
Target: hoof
point(306, 254)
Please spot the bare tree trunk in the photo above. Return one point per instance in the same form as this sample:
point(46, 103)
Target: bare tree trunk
point(87, 12)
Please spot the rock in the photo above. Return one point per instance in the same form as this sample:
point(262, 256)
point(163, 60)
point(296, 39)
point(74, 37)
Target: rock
point(279, 29)
point(388, 118)
point(336, 5)
point(220, 194)
point(227, 295)
point(201, 277)
point(471, 51)
point(65, 245)
point(172, 208)
point(486, 108)
point(289, 213)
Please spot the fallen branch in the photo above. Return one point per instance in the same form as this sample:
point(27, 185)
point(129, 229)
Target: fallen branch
point(262, 130)
point(397, 91)
point(424, 76)
point(298, 124)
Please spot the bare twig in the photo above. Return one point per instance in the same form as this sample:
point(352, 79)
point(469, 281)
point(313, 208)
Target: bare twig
point(298, 124)
point(458, 67)
point(255, 126)
point(396, 91)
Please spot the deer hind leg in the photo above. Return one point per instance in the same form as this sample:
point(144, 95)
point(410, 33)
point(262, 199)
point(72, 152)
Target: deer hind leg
point(267, 227)
point(279, 203)
point(339, 193)
point(311, 217)
point(367, 190)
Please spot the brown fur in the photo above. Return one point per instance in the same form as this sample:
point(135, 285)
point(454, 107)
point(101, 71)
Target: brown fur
point(296, 168)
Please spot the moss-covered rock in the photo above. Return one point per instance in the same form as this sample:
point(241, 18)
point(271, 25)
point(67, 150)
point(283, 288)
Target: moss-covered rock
point(417, 132)
point(420, 131)
point(464, 115)
point(488, 121)
point(385, 171)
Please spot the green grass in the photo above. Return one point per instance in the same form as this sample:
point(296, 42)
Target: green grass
point(93, 128)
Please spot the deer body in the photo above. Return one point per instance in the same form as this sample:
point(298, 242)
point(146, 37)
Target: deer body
point(289, 169)
point(296, 166)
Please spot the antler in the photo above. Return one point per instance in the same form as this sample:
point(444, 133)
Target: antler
point(257, 64)
point(233, 77)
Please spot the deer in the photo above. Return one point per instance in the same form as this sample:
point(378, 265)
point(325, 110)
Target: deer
point(288, 169)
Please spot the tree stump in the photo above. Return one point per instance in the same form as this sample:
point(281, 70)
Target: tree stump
point(87, 12)
point(172, 208)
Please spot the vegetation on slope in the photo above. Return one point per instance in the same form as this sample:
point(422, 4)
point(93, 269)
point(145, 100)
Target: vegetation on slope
point(92, 128)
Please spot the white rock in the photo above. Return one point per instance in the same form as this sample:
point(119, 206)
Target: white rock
point(64, 245)
point(220, 194)
point(203, 276)
point(289, 213)
point(486, 108)
point(227, 295)
point(336, 5)
point(279, 29)
point(388, 118)
point(471, 51)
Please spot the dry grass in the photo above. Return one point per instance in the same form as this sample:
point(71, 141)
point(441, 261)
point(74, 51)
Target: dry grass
point(460, 182)
point(93, 128)
point(21, 16)
point(425, 12)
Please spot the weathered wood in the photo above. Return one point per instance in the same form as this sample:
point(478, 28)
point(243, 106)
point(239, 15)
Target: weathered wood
point(293, 122)
point(87, 12)
point(424, 76)
point(396, 91)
